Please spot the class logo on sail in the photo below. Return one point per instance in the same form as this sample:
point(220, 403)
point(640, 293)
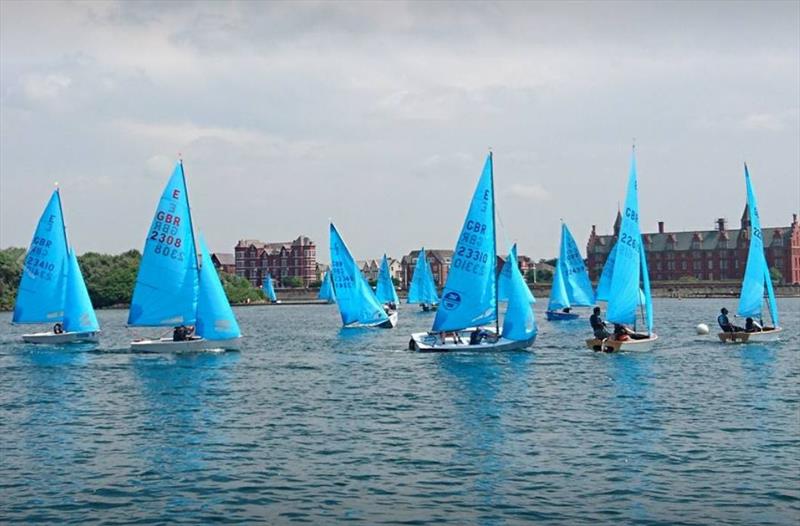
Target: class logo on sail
point(451, 300)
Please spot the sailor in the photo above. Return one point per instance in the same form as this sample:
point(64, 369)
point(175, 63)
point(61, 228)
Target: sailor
point(724, 322)
point(58, 328)
point(598, 325)
point(621, 333)
point(566, 310)
point(752, 326)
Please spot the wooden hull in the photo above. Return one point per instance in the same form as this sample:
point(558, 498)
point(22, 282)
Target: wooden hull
point(51, 338)
point(168, 345)
point(554, 315)
point(631, 345)
point(427, 342)
point(768, 334)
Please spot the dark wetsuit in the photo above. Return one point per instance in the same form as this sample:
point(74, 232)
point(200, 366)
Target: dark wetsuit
point(598, 327)
point(725, 324)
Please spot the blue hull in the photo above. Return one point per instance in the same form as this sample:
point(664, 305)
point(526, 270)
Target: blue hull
point(560, 316)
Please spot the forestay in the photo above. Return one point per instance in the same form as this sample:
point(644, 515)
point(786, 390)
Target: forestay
point(166, 286)
point(519, 323)
point(79, 314)
point(356, 300)
point(41, 297)
point(422, 288)
point(215, 318)
point(756, 275)
point(385, 291)
point(469, 297)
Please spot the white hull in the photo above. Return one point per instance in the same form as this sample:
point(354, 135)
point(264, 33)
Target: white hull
point(52, 338)
point(432, 342)
point(165, 345)
point(768, 334)
point(391, 323)
point(630, 345)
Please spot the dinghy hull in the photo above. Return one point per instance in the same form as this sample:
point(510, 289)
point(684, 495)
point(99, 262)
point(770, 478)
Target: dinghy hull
point(631, 345)
point(51, 338)
point(429, 308)
point(561, 316)
point(768, 334)
point(168, 345)
point(432, 342)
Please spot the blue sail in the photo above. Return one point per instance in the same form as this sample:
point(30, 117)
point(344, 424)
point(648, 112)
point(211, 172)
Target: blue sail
point(578, 284)
point(269, 289)
point(385, 291)
point(504, 279)
point(356, 300)
point(519, 323)
point(326, 291)
point(756, 275)
point(40, 298)
point(623, 301)
point(604, 285)
point(422, 288)
point(166, 286)
point(215, 318)
point(645, 297)
point(559, 298)
point(79, 314)
point(469, 297)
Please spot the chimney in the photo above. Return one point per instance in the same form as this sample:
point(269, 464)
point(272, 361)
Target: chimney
point(660, 227)
point(721, 224)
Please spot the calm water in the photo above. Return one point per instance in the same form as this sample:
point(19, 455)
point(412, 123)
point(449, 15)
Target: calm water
point(309, 423)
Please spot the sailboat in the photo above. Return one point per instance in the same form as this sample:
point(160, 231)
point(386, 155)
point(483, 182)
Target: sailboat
point(326, 291)
point(625, 298)
point(269, 289)
point(470, 296)
point(422, 289)
point(571, 284)
point(385, 291)
point(52, 289)
point(357, 302)
point(756, 281)
point(504, 281)
point(172, 290)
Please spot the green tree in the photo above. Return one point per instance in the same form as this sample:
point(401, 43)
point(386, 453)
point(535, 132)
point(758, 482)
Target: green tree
point(239, 290)
point(775, 275)
point(530, 276)
point(293, 282)
point(544, 276)
point(11, 261)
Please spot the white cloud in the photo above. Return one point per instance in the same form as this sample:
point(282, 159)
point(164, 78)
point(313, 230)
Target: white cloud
point(762, 121)
point(38, 88)
point(534, 192)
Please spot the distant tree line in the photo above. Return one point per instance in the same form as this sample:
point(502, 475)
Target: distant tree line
point(109, 278)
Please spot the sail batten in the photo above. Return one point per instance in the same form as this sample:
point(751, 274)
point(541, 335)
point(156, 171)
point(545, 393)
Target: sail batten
point(355, 298)
point(469, 297)
point(167, 284)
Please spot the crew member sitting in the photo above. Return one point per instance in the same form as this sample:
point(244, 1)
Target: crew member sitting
point(751, 325)
point(621, 333)
point(724, 322)
point(58, 329)
point(598, 325)
point(566, 310)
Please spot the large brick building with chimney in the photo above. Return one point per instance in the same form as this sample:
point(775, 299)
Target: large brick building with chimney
point(438, 259)
point(719, 254)
point(298, 258)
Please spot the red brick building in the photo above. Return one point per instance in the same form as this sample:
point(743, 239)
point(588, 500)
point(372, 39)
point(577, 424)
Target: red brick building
point(224, 261)
point(719, 254)
point(298, 258)
point(438, 259)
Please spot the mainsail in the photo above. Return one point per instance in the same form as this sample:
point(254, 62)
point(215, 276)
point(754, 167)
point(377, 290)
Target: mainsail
point(469, 297)
point(422, 288)
point(166, 286)
point(41, 295)
point(356, 299)
point(385, 290)
point(630, 265)
point(604, 285)
point(756, 276)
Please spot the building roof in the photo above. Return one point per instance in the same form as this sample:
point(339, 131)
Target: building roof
point(434, 253)
point(224, 258)
point(274, 247)
point(677, 241)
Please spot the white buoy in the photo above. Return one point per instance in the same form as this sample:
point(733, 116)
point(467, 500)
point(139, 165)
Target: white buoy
point(702, 328)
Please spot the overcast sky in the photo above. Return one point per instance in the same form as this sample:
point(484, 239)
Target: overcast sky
point(379, 115)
